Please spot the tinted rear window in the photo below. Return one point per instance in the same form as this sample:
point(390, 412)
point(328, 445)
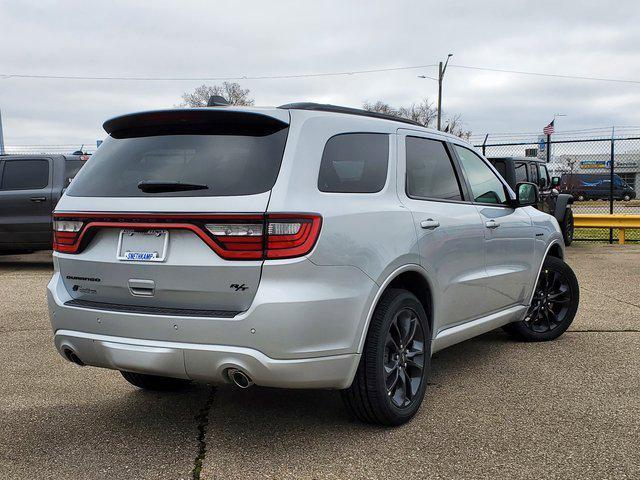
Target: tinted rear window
point(354, 163)
point(25, 174)
point(229, 160)
point(430, 173)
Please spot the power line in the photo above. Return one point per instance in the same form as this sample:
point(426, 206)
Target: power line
point(553, 75)
point(243, 77)
point(7, 76)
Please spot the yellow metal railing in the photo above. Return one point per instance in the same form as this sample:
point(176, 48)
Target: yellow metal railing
point(621, 222)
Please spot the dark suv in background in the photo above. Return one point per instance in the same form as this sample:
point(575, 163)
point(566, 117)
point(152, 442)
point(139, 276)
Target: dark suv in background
point(529, 169)
point(30, 186)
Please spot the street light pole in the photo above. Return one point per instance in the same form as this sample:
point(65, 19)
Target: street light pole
point(441, 69)
point(1, 136)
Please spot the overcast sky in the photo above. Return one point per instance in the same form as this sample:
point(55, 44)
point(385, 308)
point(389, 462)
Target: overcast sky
point(207, 38)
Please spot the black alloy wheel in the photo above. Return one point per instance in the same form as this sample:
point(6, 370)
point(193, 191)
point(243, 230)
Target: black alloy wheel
point(404, 359)
point(551, 301)
point(553, 306)
point(391, 379)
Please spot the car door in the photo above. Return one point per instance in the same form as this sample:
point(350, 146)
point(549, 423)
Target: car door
point(508, 233)
point(450, 232)
point(25, 203)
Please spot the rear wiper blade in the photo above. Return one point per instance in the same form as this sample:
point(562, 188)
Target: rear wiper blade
point(149, 186)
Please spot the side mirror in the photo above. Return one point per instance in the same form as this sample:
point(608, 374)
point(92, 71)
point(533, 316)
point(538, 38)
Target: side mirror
point(526, 194)
point(555, 181)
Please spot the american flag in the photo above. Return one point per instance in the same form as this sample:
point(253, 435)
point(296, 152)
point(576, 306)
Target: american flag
point(548, 130)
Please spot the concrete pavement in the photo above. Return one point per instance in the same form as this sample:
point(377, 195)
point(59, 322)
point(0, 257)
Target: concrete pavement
point(494, 409)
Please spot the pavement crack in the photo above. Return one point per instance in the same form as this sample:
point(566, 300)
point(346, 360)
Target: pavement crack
point(610, 296)
point(604, 330)
point(203, 421)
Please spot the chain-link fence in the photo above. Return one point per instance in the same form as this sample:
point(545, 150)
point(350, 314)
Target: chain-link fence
point(602, 172)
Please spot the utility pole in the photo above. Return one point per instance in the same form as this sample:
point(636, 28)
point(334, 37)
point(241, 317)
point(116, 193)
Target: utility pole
point(1, 136)
point(441, 69)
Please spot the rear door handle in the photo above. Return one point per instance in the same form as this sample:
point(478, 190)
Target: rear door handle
point(429, 224)
point(37, 199)
point(491, 224)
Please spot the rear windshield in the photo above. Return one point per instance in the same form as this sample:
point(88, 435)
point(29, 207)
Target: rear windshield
point(224, 160)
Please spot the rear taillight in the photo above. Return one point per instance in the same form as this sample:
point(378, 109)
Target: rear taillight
point(290, 235)
point(278, 236)
point(232, 237)
point(65, 235)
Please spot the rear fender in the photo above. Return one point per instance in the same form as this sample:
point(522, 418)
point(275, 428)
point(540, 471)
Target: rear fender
point(562, 202)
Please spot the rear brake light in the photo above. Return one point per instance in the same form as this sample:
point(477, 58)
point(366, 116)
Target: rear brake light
point(290, 235)
point(232, 237)
point(65, 235)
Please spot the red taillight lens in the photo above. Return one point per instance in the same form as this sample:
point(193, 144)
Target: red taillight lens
point(232, 237)
point(65, 235)
point(291, 236)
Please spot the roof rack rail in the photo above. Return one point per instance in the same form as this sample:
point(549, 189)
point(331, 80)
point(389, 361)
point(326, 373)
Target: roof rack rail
point(326, 107)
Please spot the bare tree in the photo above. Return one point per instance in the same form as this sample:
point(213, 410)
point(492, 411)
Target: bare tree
point(231, 91)
point(454, 126)
point(424, 113)
point(380, 107)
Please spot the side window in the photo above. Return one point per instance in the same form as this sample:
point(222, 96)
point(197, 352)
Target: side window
point(430, 173)
point(521, 172)
point(501, 167)
point(533, 173)
point(354, 163)
point(544, 174)
point(25, 174)
point(485, 185)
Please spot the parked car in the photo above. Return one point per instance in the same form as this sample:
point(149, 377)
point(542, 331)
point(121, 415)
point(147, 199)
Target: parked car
point(304, 246)
point(595, 186)
point(531, 169)
point(30, 186)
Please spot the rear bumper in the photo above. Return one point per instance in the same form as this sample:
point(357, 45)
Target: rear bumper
point(207, 363)
point(302, 330)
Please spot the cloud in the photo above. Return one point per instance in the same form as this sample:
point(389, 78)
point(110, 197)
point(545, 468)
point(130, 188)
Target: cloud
point(201, 38)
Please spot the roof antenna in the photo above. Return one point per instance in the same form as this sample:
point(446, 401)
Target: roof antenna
point(217, 101)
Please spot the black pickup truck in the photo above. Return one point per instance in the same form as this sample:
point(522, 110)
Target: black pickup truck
point(30, 187)
point(534, 170)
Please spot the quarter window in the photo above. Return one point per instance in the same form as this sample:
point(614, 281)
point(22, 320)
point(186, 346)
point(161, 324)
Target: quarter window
point(25, 174)
point(354, 163)
point(430, 173)
point(485, 185)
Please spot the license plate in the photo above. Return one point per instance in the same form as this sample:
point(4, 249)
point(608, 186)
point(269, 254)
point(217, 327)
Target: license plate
point(143, 245)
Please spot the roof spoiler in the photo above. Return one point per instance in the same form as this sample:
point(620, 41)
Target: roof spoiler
point(186, 118)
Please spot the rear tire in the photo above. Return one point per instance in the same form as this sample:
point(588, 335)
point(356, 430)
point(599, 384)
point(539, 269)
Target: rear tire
point(155, 383)
point(567, 227)
point(391, 378)
point(554, 305)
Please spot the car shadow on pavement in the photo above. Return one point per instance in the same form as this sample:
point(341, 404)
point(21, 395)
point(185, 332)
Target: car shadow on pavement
point(275, 429)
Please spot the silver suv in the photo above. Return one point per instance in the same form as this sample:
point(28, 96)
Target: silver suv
point(304, 246)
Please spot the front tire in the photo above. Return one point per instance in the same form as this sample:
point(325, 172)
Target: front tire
point(391, 380)
point(567, 227)
point(554, 305)
point(154, 382)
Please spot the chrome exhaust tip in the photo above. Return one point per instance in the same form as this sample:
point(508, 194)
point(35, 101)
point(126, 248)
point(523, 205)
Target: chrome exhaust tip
point(239, 378)
point(72, 357)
